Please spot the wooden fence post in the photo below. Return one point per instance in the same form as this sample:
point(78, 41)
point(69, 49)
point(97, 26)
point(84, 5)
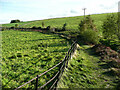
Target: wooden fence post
point(36, 83)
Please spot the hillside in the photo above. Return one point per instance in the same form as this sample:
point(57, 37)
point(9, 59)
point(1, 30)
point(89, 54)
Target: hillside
point(72, 22)
point(28, 54)
point(85, 70)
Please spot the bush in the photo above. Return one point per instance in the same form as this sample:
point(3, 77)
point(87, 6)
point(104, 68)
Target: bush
point(64, 27)
point(113, 44)
point(88, 23)
point(89, 37)
point(88, 34)
point(15, 21)
point(3, 28)
point(48, 28)
point(34, 27)
point(43, 25)
point(16, 25)
point(12, 27)
point(110, 27)
point(39, 28)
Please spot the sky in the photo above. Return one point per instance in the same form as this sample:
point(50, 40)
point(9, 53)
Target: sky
point(28, 10)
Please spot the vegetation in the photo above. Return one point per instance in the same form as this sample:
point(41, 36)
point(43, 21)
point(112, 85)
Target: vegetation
point(64, 27)
point(88, 32)
point(87, 69)
point(15, 21)
point(72, 22)
point(88, 37)
point(111, 32)
point(110, 27)
point(28, 54)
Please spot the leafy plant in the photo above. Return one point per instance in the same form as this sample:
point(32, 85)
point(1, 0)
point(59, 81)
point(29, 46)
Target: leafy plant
point(88, 37)
point(87, 23)
point(88, 32)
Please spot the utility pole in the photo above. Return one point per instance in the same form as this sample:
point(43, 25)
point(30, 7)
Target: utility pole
point(84, 12)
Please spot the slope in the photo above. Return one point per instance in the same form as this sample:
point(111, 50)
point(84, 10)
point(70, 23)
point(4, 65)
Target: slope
point(86, 70)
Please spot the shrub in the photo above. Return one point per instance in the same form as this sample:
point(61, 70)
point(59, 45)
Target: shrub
point(43, 25)
point(48, 28)
point(110, 27)
point(88, 34)
point(16, 25)
point(34, 27)
point(88, 37)
point(64, 27)
point(88, 23)
point(3, 28)
point(15, 21)
point(39, 28)
point(12, 27)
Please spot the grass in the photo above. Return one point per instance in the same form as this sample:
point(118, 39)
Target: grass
point(28, 54)
point(13, 24)
point(29, 50)
point(86, 70)
point(72, 22)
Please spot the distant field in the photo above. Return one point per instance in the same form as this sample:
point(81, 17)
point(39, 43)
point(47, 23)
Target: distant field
point(72, 22)
point(27, 54)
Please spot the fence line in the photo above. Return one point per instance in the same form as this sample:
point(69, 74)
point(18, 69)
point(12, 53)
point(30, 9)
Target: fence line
point(58, 75)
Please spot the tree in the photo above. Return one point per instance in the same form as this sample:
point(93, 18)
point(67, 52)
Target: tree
point(15, 21)
point(118, 22)
point(87, 23)
point(88, 32)
point(110, 27)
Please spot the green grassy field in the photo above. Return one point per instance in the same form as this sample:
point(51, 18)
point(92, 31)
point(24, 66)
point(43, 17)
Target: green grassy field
point(86, 70)
point(27, 54)
point(72, 22)
point(24, 51)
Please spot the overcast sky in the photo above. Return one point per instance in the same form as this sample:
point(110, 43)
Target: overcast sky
point(27, 10)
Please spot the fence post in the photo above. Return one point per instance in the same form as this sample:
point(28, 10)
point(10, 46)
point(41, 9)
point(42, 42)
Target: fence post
point(36, 83)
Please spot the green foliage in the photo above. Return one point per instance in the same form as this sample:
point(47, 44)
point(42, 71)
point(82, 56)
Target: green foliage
point(88, 32)
point(114, 44)
point(118, 32)
point(64, 27)
point(48, 27)
point(3, 28)
point(15, 21)
point(16, 25)
point(88, 23)
point(28, 54)
point(89, 37)
point(43, 25)
point(110, 27)
point(85, 70)
point(34, 27)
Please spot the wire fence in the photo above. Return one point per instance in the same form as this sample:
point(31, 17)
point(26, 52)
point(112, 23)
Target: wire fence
point(54, 80)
